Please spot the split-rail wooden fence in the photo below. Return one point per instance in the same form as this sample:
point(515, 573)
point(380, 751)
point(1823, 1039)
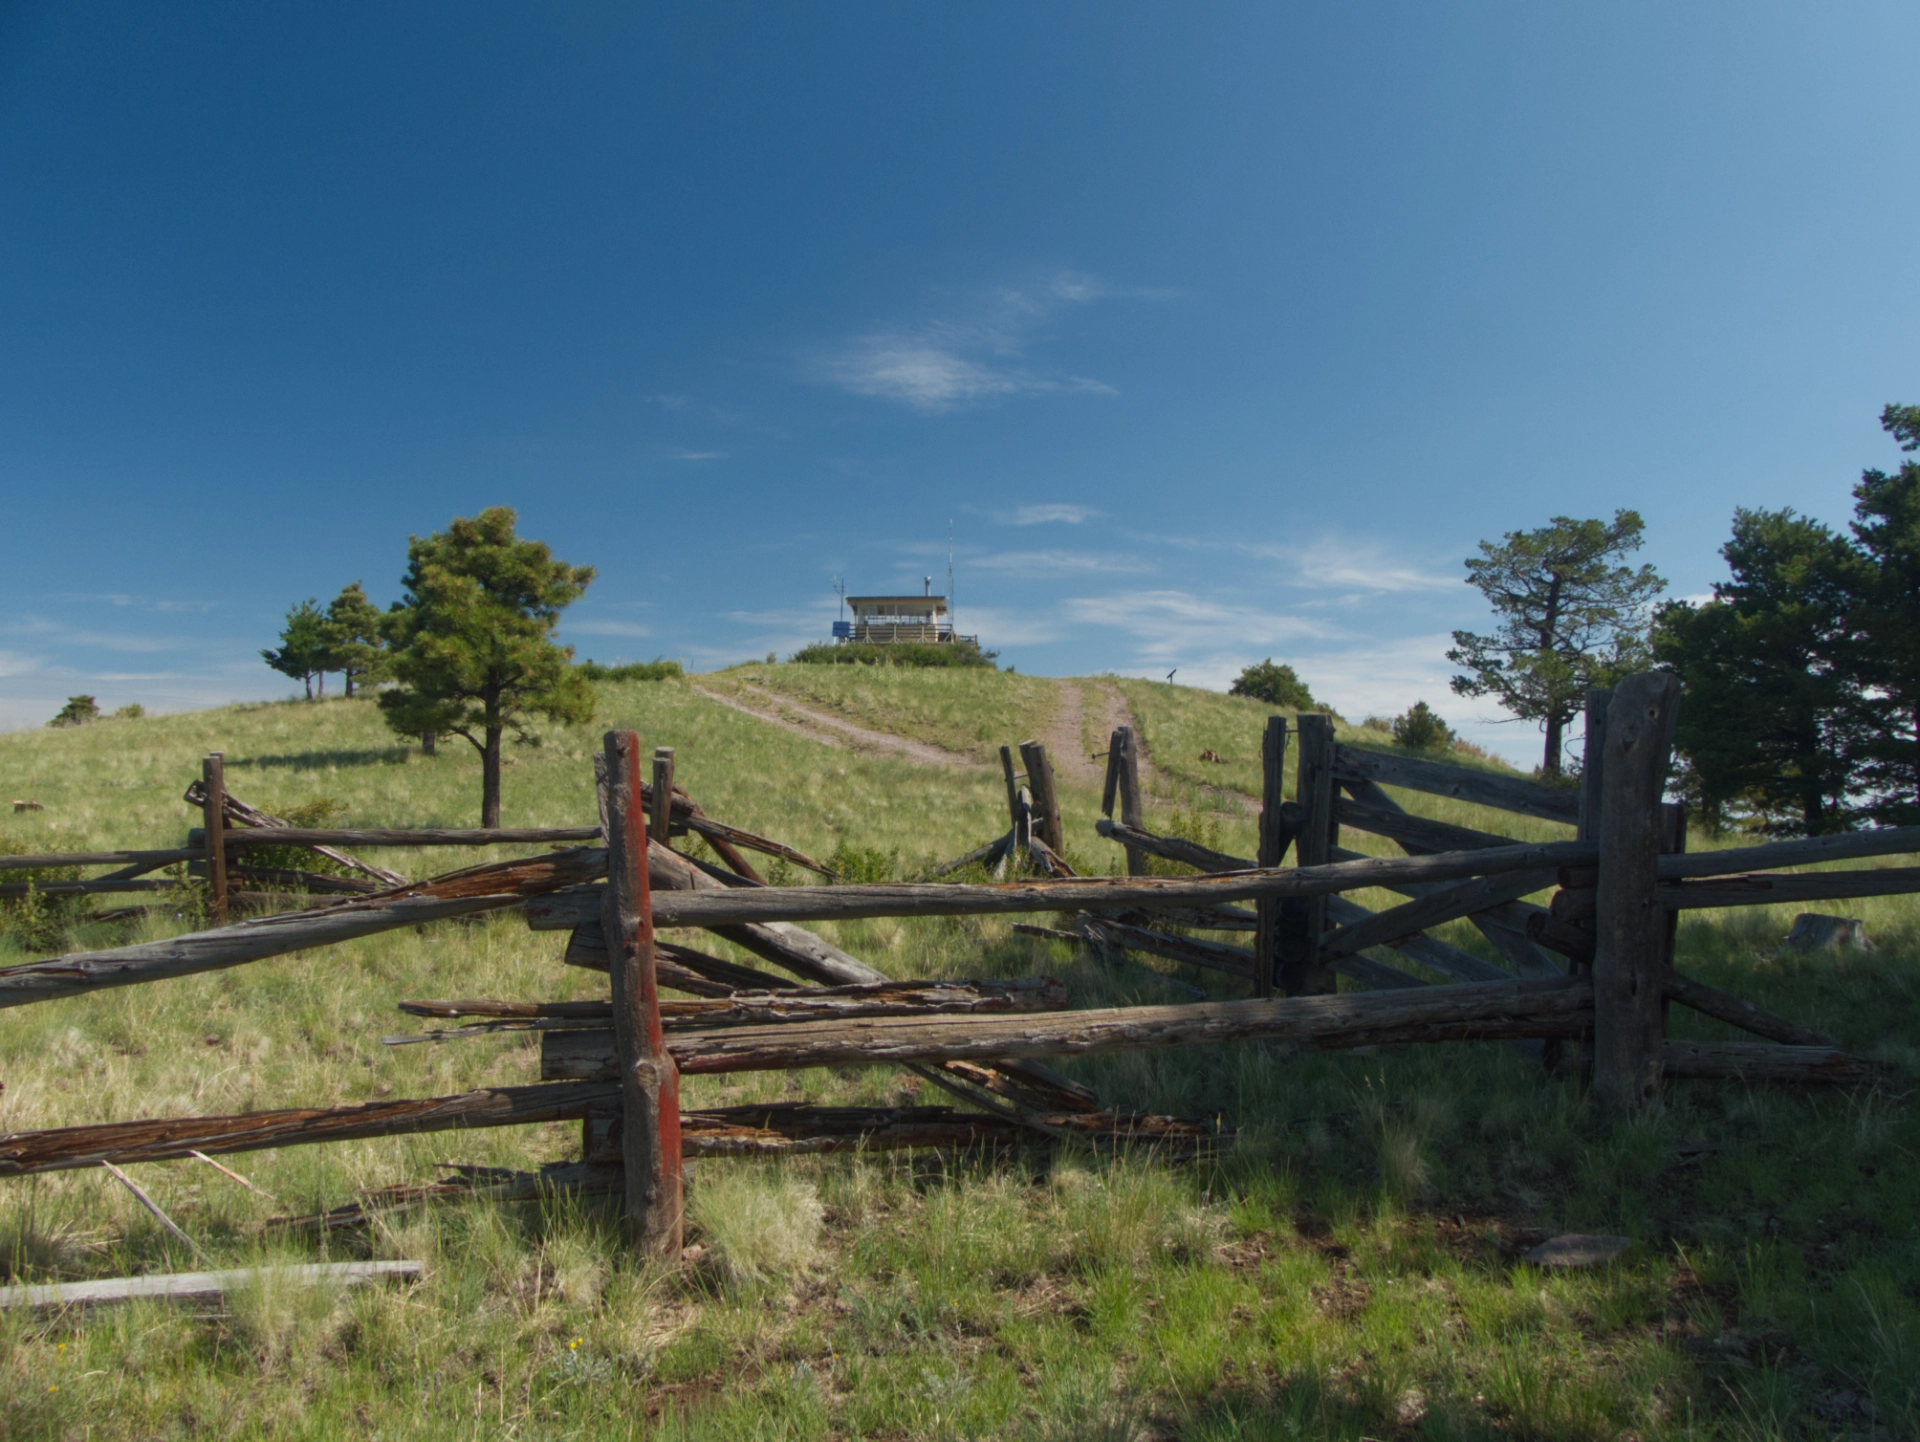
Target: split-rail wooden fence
point(1589, 976)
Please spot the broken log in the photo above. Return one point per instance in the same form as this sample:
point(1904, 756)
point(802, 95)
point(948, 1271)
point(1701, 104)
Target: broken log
point(64, 1148)
point(1403, 826)
point(770, 905)
point(1446, 904)
point(460, 893)
point(236, 812)
point(1486, 1011)
point(101, 858)
point(1482, 788)
point(204, 1286)
point(1736, 1011)
point(778, 1007)
point(1758, 1061)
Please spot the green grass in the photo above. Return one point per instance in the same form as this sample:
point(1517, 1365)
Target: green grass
point(1348, 1268)
point(968, 710)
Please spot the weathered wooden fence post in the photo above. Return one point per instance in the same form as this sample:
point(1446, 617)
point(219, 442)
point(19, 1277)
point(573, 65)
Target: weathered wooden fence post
point(1123, 783)
point(1273, 846)
point(1019, 812)
point(1046, 802)
point(213, 776)
point(649, 1080)
point(1302, 921)
point(660, 819)
point(1630, 941)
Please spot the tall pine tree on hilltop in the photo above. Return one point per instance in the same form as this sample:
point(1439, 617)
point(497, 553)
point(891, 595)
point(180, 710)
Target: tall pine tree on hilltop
point(472, 641)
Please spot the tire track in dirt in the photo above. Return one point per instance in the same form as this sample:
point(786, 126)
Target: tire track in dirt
point(830, 730)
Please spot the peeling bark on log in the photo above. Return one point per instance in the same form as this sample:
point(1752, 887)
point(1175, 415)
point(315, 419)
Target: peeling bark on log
point(461, 893)
point(64, 1148)
point(1490, 1011)
point(770, 1008)
point(830, 903)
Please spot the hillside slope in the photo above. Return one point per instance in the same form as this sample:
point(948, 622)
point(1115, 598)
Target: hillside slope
point(1348, 1267)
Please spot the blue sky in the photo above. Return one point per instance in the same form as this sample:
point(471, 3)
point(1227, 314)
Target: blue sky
point(1216, 332)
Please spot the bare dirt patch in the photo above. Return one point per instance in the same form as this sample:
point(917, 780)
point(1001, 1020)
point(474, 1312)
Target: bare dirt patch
point(830, 730)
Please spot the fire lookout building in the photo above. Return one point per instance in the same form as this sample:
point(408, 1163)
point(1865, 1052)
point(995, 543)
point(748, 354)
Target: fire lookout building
point(884, 620)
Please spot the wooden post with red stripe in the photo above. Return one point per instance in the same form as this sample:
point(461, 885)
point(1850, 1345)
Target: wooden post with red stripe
point(649, 1081)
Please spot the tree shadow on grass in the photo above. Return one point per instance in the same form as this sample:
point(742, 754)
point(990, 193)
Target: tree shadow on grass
point(322, 760)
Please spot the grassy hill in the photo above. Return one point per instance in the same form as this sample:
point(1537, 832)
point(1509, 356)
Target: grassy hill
point(1348, 1268)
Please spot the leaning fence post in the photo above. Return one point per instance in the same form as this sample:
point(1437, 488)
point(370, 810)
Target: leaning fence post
point(213, 780)
point(649, 1081)
point(1133, 812)
point(660, 827)
point(1273, 846)
point(1630, 941)
point(1303, 920)
point(1046, 802)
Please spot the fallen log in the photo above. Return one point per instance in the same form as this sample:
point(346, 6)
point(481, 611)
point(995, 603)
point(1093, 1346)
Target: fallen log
point(1446, 904)
point(1173, 848)
point(390, 836)
point(680, 967)
point(236, 813)
point(204, 1286)
point(64, 1148)
point(830, 903)
point(1759, 1061)
point(1450, 961)
point(1488, 1011)
point(774, 1008)
point(1736, 1011)
point(987, 854)
point(461, 893)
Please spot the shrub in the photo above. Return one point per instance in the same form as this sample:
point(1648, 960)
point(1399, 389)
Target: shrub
point(1418, 729)
point(654, 670)
point(77, 712)
point(862, 865)
point(320, 814)
point(42, 922)
point(132, 711)
point(1276, 684)
point(904, 653)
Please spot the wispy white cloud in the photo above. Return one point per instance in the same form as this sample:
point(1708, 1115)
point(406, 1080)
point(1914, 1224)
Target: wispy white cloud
point(1332, 563)
point(699, 455)
point(1041, 565)
point(1177, 626)
point(59, 633)
point(604, 627)
point(946, 365)
point(1045, 515)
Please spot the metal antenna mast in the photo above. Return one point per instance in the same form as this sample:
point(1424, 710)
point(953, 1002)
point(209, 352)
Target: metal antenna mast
point(953, 620)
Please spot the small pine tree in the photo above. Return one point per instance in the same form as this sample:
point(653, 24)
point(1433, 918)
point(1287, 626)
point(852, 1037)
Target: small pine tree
point(1277, 685)
point(1419, 729)
point(356, 647)
point(306, 646)
point(77, 712)
point(472, 641)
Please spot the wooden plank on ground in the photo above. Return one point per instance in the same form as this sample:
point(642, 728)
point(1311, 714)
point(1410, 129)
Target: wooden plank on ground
point(204, 1286)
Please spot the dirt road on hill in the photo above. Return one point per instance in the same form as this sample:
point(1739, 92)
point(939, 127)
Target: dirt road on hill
point(831, 730)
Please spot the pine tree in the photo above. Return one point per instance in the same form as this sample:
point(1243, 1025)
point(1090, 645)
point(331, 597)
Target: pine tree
point(1767, 726)
point(1571, 618)
point(1886, 624)
point(305, 646)
point(472, 641)
point(1277, 685)
point(357, 646)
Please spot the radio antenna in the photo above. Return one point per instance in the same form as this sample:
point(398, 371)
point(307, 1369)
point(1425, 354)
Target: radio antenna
point(953, 621)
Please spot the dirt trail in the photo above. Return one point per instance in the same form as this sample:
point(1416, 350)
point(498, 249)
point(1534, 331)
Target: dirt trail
point(831, 730)
point(1115, 712)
